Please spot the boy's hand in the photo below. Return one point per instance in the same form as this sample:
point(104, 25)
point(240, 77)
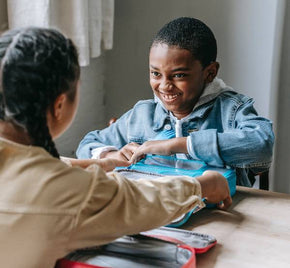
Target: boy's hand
point(160, 147)
point(151, 147)
point(215, 189)
point(125, 153)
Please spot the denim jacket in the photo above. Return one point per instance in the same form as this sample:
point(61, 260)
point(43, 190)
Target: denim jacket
point(223, 130)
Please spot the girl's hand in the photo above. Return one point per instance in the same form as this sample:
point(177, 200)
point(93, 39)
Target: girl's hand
point(108, 164)
point(215, 189)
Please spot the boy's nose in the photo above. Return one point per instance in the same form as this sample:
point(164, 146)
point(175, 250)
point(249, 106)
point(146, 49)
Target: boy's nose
point(165, 85)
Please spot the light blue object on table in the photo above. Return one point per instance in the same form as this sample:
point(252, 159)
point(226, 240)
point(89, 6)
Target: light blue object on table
point(157, 165)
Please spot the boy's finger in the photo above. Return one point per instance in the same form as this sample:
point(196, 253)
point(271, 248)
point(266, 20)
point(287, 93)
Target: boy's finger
point(127, 154)
point(136, 157)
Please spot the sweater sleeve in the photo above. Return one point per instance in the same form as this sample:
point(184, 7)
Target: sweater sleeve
point(116, 206)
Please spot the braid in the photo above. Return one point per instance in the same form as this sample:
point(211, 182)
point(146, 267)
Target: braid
point(38, 65)
point(1, 106)
point(40, 134)
point(6, 40)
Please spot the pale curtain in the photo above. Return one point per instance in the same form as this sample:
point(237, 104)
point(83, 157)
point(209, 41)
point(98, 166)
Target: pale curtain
point(89, 23)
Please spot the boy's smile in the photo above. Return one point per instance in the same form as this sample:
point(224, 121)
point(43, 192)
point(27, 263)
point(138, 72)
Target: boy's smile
point(176, 78)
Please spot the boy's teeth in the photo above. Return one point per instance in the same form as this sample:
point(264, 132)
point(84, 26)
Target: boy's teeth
point(169, 97)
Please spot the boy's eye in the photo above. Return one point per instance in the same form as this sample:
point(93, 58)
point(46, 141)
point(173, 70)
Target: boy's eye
point(179, 75)
point(155, 74)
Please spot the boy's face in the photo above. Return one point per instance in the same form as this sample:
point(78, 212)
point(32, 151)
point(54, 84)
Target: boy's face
point(176, 78)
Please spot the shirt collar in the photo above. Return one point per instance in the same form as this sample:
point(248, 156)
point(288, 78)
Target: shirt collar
point(211, 91)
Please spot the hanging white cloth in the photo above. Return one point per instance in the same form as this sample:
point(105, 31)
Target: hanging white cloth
point(89, 23)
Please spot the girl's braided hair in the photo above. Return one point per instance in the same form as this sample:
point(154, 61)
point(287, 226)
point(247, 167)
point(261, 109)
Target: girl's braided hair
point(37, 65)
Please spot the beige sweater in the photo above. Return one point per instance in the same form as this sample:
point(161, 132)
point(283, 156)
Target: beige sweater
point(48, 209)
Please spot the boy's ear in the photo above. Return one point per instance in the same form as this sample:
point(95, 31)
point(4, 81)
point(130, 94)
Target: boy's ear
point(58, 106)
point(211, 71)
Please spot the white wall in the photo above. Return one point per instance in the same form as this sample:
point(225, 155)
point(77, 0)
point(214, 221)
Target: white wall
point(244, 30)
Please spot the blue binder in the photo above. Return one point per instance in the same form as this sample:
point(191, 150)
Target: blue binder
point(156, 166)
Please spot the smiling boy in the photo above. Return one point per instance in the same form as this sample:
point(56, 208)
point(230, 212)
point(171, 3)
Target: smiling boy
point(211, 121)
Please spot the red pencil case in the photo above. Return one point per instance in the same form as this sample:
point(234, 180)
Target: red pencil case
point(162, 247)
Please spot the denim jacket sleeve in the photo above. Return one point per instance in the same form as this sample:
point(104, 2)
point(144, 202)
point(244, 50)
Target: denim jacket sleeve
point(114, 135)
point(139, 124)
point(237, 138)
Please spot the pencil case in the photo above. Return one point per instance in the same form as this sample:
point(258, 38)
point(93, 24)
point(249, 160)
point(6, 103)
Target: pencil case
point(154, 166)
point(162, 247)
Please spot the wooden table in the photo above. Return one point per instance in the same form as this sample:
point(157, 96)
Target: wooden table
point(254, 232)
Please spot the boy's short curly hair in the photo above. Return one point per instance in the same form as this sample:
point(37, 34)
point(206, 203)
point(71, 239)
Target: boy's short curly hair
point(190, 34)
